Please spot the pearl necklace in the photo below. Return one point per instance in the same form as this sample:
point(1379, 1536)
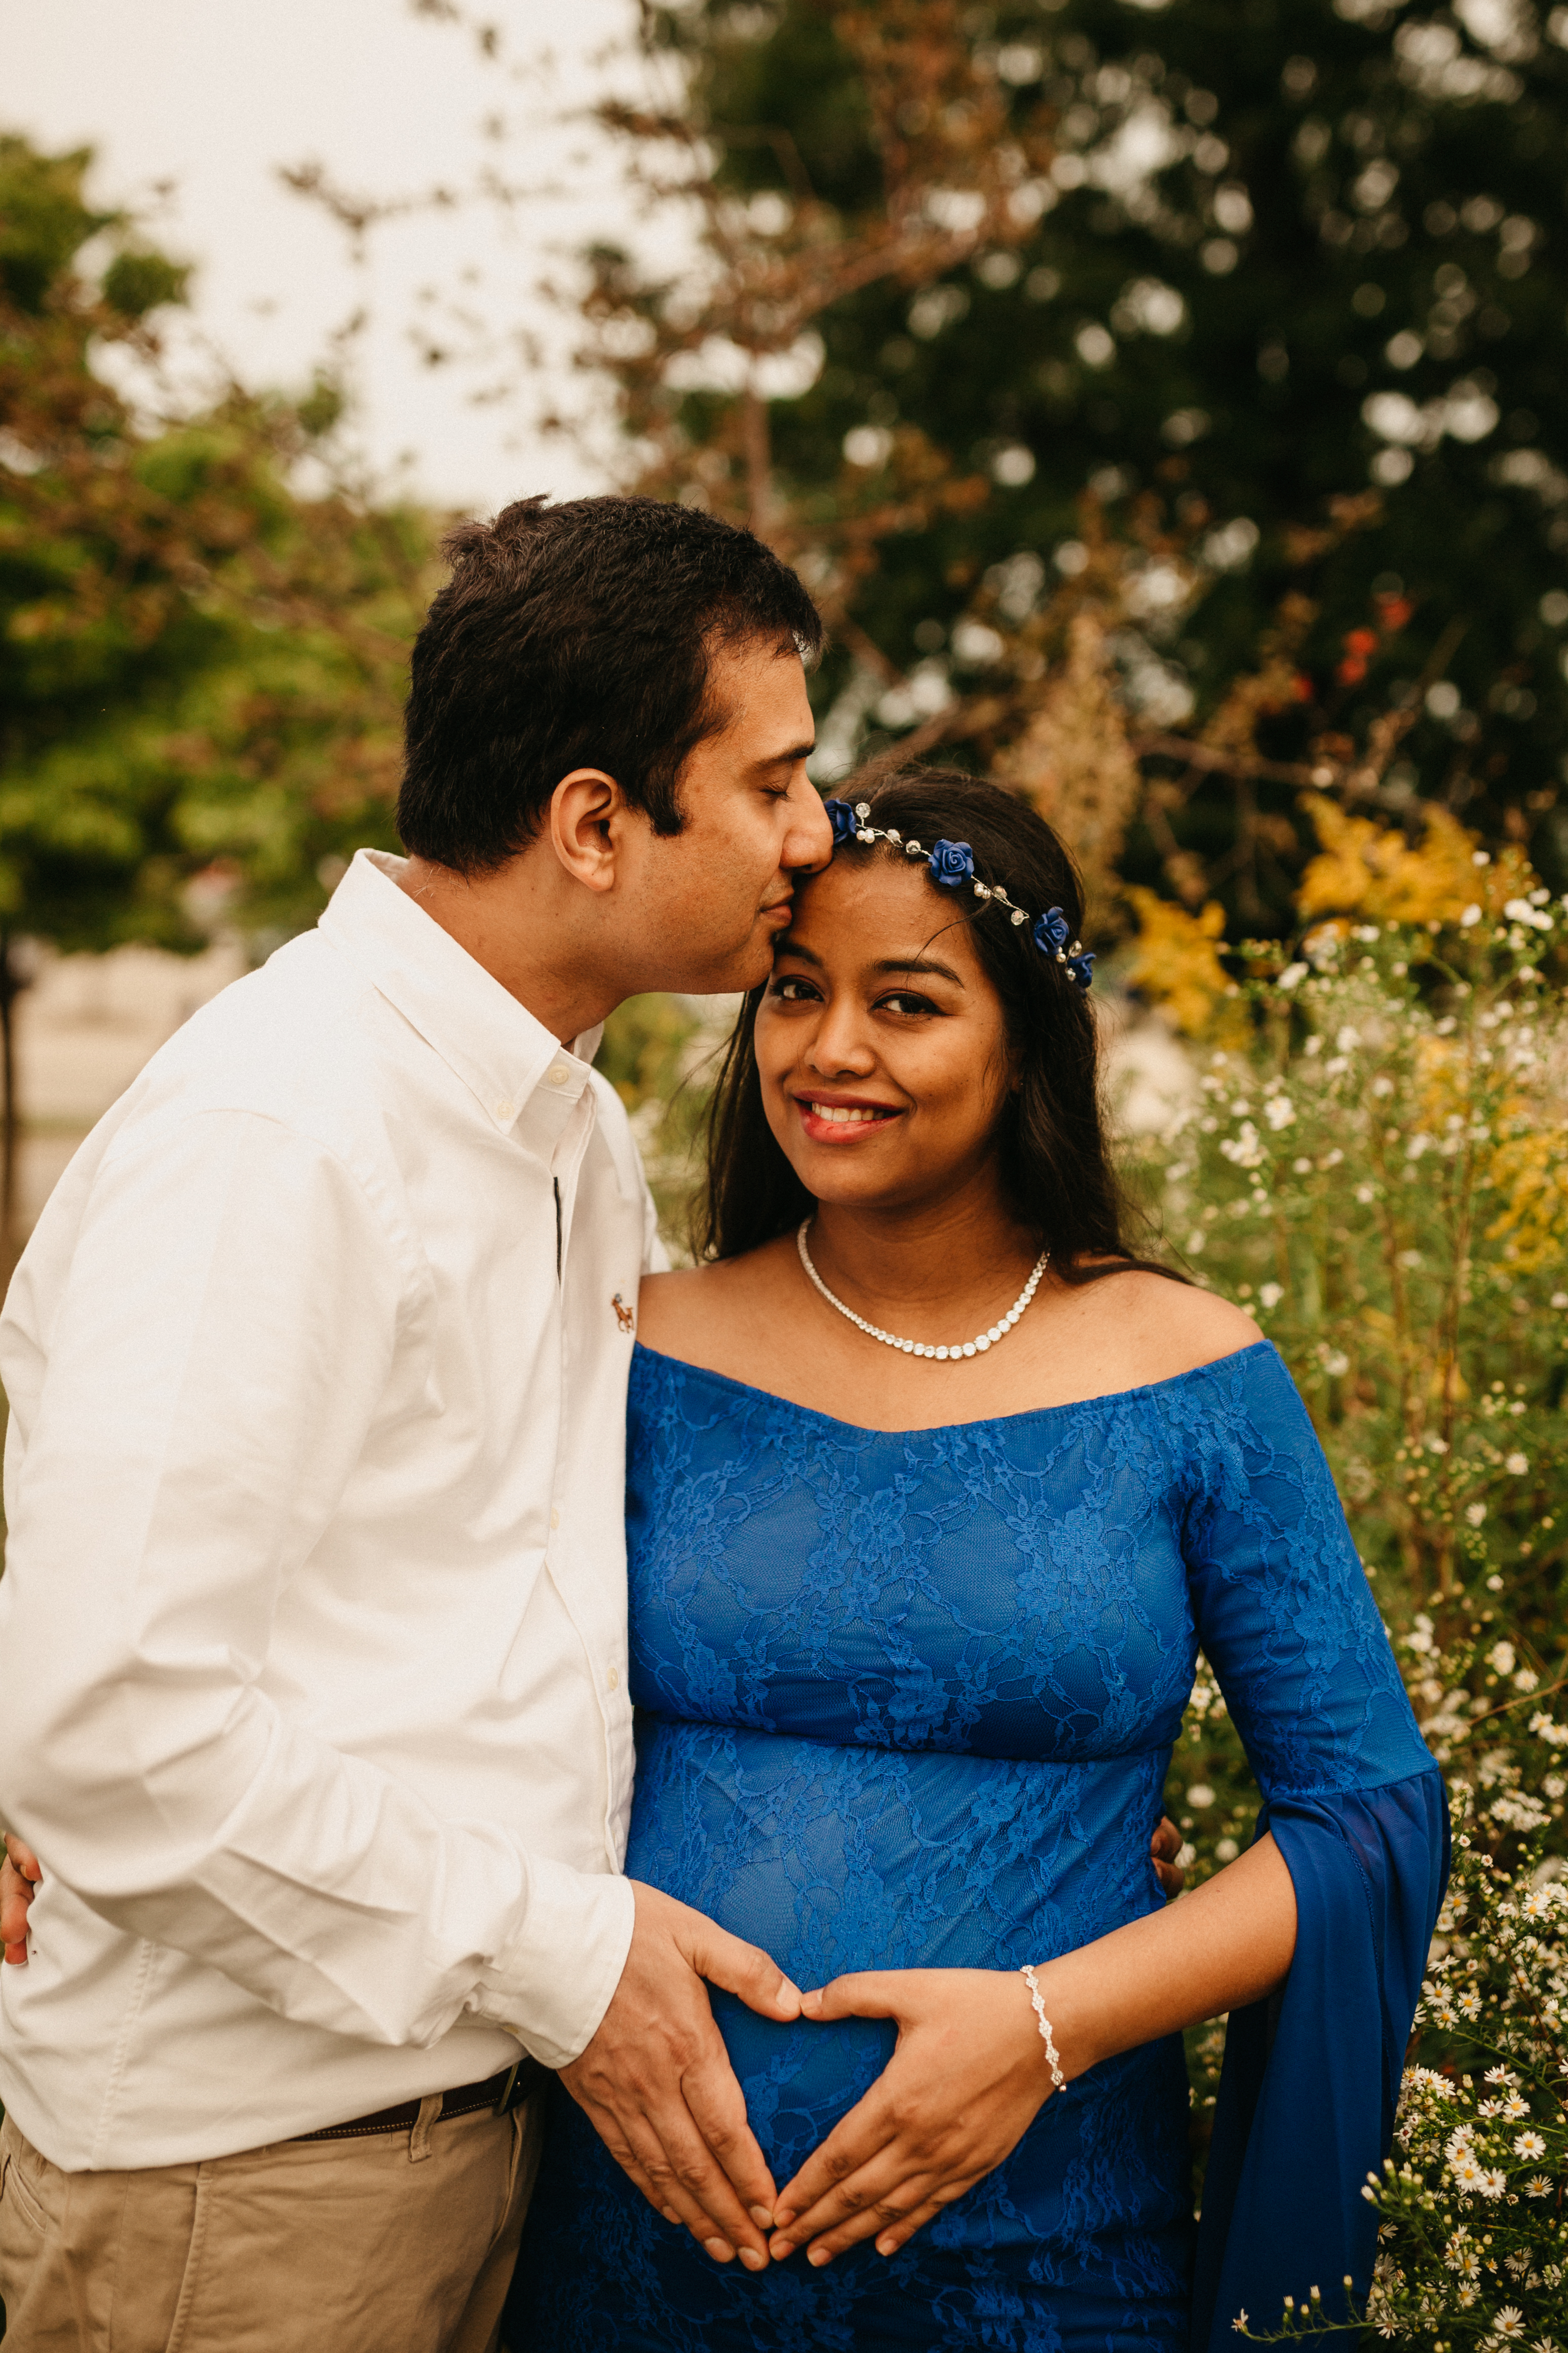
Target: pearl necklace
point(975, 1347)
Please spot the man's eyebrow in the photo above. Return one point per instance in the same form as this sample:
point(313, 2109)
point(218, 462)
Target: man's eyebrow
point(796, 752)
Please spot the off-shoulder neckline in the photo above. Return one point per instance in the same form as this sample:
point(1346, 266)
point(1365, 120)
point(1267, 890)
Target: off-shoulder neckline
point(985, 1421)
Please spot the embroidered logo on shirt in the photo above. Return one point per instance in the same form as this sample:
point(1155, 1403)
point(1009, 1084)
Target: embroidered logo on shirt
point(624, 1316)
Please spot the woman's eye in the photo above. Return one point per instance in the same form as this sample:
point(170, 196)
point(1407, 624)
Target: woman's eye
point(792, 991)
point(905, 1001)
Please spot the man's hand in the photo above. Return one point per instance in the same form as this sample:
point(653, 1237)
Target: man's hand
point(1163, 1848)
point(967, 2080)
point(657, 2085)
point(19, 1874)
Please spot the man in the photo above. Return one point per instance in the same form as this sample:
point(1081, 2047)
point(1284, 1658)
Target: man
point(314, 1620)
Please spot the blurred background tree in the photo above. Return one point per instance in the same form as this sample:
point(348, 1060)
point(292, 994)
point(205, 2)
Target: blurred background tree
point(201, 667)
point(1165, 402)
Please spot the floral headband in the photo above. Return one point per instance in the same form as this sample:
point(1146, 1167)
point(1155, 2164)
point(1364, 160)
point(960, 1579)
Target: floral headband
point(952, 864)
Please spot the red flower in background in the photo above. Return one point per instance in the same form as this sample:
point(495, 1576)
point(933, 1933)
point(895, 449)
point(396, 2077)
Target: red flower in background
point(1359, 645)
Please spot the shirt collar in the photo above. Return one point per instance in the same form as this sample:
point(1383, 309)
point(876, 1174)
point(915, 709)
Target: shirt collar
point(478, 1027)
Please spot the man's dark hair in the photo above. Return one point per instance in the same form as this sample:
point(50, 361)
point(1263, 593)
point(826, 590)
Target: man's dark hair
point(578, 636)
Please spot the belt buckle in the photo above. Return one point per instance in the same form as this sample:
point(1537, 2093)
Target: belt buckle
point(509, 2092)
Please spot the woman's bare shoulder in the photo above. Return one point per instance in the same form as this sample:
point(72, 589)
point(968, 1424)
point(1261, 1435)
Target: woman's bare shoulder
point(1169, 1327)
point(702, 1313)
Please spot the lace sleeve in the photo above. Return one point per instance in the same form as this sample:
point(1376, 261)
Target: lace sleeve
point(1279, 1599)
point(1356, 1806)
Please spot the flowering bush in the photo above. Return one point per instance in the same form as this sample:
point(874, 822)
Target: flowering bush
point(1374, 1162)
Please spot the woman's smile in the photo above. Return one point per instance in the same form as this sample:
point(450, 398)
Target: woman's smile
point(828, 1117)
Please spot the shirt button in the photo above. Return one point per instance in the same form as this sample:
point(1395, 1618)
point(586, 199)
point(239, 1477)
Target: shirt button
point(559, 1075)
point(505, 1110)
point(555, 1515)
point(613, 1678)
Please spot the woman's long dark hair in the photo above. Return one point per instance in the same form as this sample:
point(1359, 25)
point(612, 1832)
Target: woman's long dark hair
point(1055, 1161)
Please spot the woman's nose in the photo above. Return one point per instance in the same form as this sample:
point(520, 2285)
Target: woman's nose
point(840, 1043)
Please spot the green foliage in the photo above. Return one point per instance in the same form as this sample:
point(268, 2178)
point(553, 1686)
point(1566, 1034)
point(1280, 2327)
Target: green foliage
point(135, 283)
point(201, 671)
point(43, 222)
point(1292, 261)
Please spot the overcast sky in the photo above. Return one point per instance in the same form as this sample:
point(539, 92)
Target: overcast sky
point(213, 97)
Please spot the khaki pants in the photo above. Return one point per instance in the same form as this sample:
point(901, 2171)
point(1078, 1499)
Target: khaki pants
point(400, 2242)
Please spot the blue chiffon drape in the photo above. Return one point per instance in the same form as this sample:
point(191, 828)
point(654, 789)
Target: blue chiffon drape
point(907, 1699)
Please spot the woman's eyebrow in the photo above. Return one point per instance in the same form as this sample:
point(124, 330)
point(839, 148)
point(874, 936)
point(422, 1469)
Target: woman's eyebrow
point(787, 945)
point(918, 965)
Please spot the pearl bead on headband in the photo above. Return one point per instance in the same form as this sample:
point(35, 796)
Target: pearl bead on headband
point(952, 864)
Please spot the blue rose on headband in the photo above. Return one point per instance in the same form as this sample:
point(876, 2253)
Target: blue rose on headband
point(1081, 969)
point(1052, 931)
point(952, 862)
point(846, 824)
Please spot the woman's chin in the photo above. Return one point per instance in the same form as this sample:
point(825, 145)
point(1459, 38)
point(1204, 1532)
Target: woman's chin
point(853, 1176)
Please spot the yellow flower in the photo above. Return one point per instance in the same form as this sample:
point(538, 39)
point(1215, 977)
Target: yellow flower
point(1175, 962)
point(1367, 869)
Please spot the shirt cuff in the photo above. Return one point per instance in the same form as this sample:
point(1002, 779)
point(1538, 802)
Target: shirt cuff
point(557, 1982)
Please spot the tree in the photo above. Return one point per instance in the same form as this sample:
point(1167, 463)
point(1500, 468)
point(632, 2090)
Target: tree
point(200, 669)
point(1216, 345)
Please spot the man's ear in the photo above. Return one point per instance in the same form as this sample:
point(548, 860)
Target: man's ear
point(584, 812)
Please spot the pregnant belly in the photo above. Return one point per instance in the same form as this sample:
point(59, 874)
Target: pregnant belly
point(837, 1859)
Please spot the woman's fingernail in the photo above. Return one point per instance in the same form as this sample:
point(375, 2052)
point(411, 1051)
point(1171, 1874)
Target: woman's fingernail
point(780, 2248)
point(818, 2256)
point(887, 2246)
point(763, 2217)
point(670, 2215)
point(782, 2216)
point(720, 2249)
point(752, 2258)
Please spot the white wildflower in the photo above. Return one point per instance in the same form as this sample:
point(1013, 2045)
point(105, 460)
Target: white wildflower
point(1269, 1295)
point(1279, 1112)
point(1518, 1464)
point(1243, 1148)
point(1529, 2143)
point(1503, 1657)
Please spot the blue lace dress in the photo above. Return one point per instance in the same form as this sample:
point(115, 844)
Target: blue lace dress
point(908, 1701)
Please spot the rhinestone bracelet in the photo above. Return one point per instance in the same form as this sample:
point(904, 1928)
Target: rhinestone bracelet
point(1053, 2056)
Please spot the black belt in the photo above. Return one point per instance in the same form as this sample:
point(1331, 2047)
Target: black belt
point(502, 2093)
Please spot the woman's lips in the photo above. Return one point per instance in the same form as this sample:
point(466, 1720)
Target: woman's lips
point(826, 1122)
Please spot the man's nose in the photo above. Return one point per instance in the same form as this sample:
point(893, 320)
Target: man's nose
point(809, 845)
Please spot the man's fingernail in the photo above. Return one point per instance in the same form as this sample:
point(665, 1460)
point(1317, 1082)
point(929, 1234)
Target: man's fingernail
point(818, 2256)
point(670, 2215)
point(762, 2215)
point(720, 2249)
point(887, 2246)
point(780, 2248)
point(753, 2258)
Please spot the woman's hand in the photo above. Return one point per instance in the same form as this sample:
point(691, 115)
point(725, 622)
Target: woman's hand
point(19, 1874)
point(1164, 1848)
point(968, 2078)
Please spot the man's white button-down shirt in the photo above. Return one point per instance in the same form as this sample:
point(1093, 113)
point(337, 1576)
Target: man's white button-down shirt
point(313, 1629)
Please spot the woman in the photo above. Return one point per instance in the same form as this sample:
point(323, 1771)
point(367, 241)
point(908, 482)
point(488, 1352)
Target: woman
point(934, 1491)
